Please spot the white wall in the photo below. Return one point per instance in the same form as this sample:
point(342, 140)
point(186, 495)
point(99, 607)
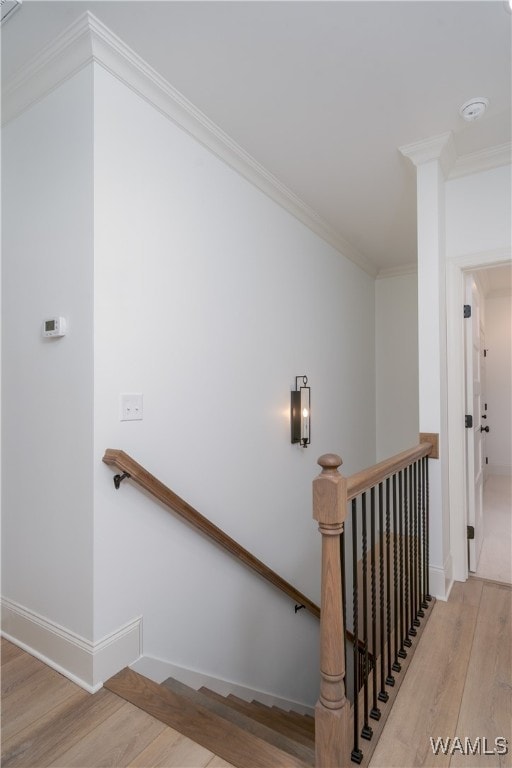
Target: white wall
point(210, 299)
point(47, 387)
point(182, 281)
point(478, 213)
point(498, 341)
point(396, 363)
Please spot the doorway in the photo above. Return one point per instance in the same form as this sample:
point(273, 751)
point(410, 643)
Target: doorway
point(490, 557)
point(457, 447)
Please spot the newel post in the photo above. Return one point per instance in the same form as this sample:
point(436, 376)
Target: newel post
point(332, 712)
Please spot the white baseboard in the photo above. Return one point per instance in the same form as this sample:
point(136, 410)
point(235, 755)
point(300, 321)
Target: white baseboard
point(86, 663)
point(159, 670)
point(441, 580)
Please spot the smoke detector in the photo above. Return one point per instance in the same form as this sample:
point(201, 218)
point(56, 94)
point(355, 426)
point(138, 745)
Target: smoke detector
point(474, 108)
point(7, 8)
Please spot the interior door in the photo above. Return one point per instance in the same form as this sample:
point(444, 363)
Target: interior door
point(483, 402)
point(474, 433)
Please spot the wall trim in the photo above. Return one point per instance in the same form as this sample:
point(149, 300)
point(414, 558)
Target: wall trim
point(484, 160)
point(441, 580)
point(400, 270)
point(88, 40)
point(454, 166)
point(159, 670)
point(86, 663)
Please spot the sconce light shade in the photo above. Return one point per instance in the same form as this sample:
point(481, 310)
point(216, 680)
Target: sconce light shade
point(300, 412)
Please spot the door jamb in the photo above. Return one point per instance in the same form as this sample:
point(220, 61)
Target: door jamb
point(456, 448)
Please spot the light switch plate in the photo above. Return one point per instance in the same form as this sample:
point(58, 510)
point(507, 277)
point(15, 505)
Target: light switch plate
point(131, 407)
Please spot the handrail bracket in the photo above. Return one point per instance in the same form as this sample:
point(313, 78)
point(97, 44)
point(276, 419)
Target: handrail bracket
point(118, 479)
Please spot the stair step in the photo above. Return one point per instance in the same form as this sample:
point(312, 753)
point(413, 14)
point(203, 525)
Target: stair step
point(264, 715)
point(305, 722)
point(249, 724)
point(203, 726)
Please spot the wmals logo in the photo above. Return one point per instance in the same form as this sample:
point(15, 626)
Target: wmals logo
point(466, 746)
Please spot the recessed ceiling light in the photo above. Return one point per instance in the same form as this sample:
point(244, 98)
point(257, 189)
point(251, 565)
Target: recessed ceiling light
point(474, 108)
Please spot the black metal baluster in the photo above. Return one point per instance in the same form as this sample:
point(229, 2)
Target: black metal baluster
point(416, 621)
point(402, 653)
point(356, 754)
point(427, 529)
point(375, 712)
point(412, 497)
point(396, 664)
point(383, 694)
point(343, 587)
point(421, 552)
point(390, 680)
point(424, 603)
point(366, 731)
point(407, 640)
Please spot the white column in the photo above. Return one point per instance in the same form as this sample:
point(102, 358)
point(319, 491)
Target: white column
point(432, 159)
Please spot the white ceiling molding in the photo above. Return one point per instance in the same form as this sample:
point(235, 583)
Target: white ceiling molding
point(88, 40)
point(440, 148)
point(484, 160)
point(403, 269)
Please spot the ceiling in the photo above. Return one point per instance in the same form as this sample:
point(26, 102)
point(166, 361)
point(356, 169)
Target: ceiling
point(322, 94)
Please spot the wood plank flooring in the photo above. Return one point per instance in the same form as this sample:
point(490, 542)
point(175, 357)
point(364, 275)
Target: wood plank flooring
point(459, 684)
point(49, 721)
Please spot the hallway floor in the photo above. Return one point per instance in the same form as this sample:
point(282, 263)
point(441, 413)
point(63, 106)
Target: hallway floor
point(459, 684)
point(496, 556)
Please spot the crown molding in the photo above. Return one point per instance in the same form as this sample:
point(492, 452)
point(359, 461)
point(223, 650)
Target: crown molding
point(398, 271)
point(440, 148)
point(88, 41)
point(484, 160)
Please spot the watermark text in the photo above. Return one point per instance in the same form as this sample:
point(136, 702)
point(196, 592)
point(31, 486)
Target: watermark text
point(479, 745)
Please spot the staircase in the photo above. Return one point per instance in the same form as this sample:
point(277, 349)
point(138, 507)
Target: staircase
point(247, 735)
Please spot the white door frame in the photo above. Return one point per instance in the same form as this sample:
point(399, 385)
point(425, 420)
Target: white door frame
point(456, 448)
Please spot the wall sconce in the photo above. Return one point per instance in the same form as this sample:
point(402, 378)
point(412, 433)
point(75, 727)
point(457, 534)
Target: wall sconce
point(300, 412)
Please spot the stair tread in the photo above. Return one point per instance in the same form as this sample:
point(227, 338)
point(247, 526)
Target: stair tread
point(224, 738)
point(267, 717)
point(244, 721)
point(301, 721)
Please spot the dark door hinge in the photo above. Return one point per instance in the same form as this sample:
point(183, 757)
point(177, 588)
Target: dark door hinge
point(471, 532)
point(485, 352)
point(486, 459)
point(467, 310)
point(469, 421)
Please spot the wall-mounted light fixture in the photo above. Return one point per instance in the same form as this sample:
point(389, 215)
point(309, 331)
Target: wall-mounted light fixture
point(300, 412)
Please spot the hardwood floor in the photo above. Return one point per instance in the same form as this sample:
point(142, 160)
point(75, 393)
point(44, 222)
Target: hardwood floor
point(459, 684)
point(49, 721)
point(495, 558)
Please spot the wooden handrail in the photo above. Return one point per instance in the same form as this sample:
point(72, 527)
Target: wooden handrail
point(367, 478)
point(142, 477)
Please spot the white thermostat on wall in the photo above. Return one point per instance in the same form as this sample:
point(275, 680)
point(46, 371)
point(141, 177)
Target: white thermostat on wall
point(55, 326)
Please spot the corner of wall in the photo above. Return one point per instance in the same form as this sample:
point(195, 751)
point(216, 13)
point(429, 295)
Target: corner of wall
point(85, 663)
